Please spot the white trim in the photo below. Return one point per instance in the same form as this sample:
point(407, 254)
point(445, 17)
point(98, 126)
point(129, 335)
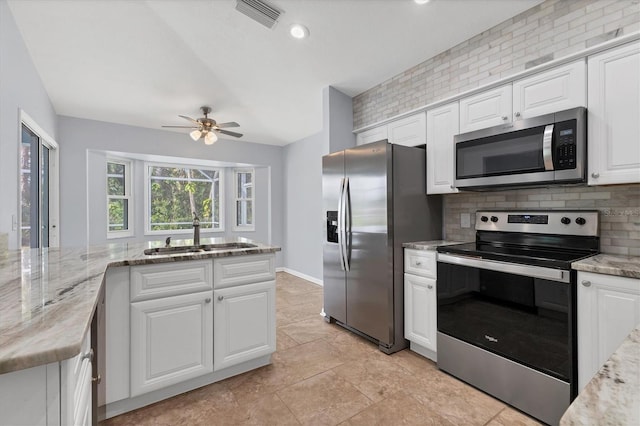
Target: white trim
point(301, 275)
point(222, 195)
point(128, 195)
point(235, 226)
point(54, 178)
point(510, 79)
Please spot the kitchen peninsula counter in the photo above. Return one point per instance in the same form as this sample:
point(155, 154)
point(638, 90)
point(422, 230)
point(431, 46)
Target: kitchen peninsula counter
point(47, 296)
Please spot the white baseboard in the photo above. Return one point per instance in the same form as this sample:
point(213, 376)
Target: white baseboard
point(300, 275)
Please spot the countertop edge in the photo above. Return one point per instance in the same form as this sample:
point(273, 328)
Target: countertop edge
point(610, 264)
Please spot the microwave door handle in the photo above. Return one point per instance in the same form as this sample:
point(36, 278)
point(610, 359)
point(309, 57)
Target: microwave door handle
point(547, 147)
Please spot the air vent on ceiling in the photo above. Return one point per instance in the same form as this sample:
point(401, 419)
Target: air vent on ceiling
point(260, 11)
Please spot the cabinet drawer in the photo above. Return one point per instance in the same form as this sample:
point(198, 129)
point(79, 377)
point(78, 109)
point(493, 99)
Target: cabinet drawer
point(170, 279)
point(238, 270)
point(420, 262)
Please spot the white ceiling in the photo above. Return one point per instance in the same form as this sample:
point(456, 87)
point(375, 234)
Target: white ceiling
point(144, 62)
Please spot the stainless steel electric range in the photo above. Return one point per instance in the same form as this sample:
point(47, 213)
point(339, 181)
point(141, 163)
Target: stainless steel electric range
point(507, 306)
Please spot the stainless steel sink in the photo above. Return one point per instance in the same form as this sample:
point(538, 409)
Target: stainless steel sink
point(197, 249)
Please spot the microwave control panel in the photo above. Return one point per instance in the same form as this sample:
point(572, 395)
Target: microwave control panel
point(565, 145)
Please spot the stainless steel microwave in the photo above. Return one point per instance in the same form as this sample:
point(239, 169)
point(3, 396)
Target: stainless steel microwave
point(535, 151)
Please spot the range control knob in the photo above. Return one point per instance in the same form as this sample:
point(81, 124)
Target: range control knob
point(484, 218)
point(581, 220)
point(565, 220)
point(494, 219)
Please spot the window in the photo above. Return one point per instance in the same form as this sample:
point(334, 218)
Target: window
point(119, 209)
point(244, 199)
point(174, 193)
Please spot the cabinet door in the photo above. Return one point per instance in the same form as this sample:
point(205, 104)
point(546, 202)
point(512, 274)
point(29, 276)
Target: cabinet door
point(486, 109)
point(244, 323)
point(550, 91)
point(608, 309)
point(613, 111)
point(420, 310)
point(171, 340)
point(442, 125)
point(372, 135)
point(409, 131)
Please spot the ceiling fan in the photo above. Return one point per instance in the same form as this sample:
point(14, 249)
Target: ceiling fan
point(206, 128)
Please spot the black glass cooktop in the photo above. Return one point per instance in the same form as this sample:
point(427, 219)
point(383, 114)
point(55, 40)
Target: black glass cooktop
point(527, 255)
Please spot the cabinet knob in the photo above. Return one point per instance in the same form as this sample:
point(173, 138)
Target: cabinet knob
point(505, 118)
point(88, 355)
point(220, 298)
point(207, 300)
point(586, 283)
point(451, 186)
point(517, 114)
point(418, 263)
point(595, 175)
point(430, 286)
point(97, 379)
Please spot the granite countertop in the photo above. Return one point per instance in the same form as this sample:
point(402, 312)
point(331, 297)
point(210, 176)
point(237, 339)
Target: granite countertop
point(428, 245)
point(612, 397)
point(47, 297)
point(610, 264)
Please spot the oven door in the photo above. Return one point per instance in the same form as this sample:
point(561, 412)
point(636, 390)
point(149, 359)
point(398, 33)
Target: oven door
point(519, 312)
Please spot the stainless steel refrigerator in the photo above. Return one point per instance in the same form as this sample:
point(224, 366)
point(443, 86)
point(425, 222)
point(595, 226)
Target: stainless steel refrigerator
point(374, 200)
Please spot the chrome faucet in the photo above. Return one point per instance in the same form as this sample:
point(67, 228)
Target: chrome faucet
point(196, 230)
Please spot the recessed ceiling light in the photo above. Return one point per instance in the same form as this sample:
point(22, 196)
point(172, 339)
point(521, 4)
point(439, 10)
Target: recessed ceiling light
point(421, 1)
point(298, 31)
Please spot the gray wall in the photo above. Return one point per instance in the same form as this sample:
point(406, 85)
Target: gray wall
point(20, 88)
point(303, 212)
point(553, 29)
point(82, 181)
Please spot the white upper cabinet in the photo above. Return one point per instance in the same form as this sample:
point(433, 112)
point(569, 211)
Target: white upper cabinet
point(486, 109)
point(372, 135)
point(442, 125)
point(408, 131)
point(614, 116)
point(550, 91)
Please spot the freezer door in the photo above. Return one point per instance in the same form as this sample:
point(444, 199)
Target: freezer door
point(334, 278)
point(369, 250)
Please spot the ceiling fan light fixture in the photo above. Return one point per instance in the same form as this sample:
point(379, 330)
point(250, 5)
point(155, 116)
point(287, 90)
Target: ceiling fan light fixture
point(195, 135)
point(210, 138)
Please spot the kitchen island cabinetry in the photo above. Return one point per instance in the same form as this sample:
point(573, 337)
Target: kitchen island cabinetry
point(420, 301)
point(608, 309)
point(612, 120)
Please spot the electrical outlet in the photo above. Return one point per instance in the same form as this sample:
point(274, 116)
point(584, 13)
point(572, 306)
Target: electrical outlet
point(465, 220)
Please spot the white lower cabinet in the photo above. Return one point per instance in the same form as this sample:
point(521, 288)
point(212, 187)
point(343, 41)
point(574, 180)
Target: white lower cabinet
point(608, 309)
point(420, 308)
point(244, 323)
point(420, 301)
point(171, 340)
point(75, 386)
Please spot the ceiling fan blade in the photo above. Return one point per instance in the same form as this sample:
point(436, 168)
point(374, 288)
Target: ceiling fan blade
point(229, 124)
point(190, 119)
point(182, 127)
point(237, 135)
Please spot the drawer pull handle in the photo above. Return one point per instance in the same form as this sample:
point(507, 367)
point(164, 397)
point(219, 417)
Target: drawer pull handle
point(220, 298)
point(430, 286)
point(586, 283)
point(88, 355)
point(97, 379)
point(207, 300)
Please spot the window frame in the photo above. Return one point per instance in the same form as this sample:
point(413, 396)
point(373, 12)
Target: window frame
point(236, 198)
point(128, 191)
point(147, 199)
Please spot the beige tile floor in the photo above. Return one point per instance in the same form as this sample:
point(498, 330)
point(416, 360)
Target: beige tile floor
point(322, 374)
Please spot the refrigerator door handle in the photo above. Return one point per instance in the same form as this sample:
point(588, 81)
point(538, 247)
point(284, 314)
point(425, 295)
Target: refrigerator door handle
point(347, 225)
point(341, 224)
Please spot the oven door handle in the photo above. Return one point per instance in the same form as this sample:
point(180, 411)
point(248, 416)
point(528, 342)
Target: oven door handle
point(507, 267)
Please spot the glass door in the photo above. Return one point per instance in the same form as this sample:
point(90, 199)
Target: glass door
point(34, 190)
